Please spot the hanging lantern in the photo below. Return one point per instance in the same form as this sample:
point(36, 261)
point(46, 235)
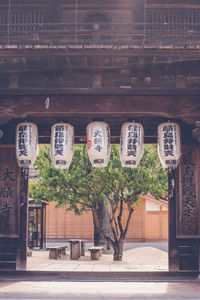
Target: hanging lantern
point(169, 144)
point(98, 142)
point(131, 144)
point(62, 145)
point(26, 144)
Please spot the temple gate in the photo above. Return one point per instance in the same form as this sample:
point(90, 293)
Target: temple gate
point(113, 60)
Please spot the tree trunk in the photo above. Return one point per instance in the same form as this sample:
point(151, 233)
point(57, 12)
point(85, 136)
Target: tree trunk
point(96, 235)
point(104, 221)
point(118, 250)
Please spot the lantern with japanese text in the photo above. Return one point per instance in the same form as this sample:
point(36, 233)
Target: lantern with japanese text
point(62, 145)
point(98, 143)
point(169, 144)
point(131, 144)
point(26, 144)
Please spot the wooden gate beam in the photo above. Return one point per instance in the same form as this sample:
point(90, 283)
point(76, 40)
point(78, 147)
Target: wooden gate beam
point(79, 110)
point(186, 108)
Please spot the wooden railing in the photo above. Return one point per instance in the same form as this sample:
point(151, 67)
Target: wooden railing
point(103, 33)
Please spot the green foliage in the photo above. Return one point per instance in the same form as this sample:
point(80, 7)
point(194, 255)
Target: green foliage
point(83, 187)
point(149, 176)
point(32, 228)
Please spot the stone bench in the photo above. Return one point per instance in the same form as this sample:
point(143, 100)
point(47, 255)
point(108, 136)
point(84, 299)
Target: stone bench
point(29, 253)
point(96, 252)
point(56, 252)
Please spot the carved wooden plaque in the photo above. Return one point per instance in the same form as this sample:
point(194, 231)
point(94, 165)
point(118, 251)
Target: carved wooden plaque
point(9, 193)
point(188, 202)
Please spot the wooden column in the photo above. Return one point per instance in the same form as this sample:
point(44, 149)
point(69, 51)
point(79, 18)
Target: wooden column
point(173, 250)
point(22, 242)
point(185, 214)
point(13, 211)
point(188, 209)
point(9, 207)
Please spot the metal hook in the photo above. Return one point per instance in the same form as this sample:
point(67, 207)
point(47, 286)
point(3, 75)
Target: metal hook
point(47, 102)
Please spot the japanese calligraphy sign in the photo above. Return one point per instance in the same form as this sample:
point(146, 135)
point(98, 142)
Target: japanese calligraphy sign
point(131, 144)
point(98, 141)
point(9, 193)
point(188, 203)
point(169, 145)
point(62, 145)
point(26, 144)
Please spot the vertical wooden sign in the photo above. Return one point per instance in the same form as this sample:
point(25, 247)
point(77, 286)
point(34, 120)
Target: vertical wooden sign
point(188, 204)
point(9, 194)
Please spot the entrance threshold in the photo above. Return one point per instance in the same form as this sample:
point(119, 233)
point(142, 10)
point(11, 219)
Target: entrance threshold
point(158, 276)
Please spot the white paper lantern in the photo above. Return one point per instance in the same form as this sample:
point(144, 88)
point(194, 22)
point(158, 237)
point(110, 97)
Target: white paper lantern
point(62, 145)
point(98, 142)
point(26, 144)
point(169, 144)
point(131, 144)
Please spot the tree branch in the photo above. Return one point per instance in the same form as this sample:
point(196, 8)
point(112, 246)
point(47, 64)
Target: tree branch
point(131, 210)
point(116, 233)
point(83, 203)
point(120, 217)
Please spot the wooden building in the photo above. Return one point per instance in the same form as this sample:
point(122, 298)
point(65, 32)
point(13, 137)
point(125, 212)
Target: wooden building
point(79, 60)
point(149, 222)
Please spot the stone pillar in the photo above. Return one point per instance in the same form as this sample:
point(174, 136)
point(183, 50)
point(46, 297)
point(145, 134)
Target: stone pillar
point(82, 248)
point(75, 250)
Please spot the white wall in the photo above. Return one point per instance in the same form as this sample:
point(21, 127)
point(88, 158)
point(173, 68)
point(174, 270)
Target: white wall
point(153, 206)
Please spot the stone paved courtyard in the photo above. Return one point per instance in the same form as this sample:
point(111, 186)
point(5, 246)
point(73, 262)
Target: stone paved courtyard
point(137, 257)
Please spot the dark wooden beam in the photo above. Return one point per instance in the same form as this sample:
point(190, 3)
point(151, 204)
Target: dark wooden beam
point(92, 106)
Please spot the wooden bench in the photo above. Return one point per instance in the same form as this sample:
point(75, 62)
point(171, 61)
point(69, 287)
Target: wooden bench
point(56, 252)
point(96, 252)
